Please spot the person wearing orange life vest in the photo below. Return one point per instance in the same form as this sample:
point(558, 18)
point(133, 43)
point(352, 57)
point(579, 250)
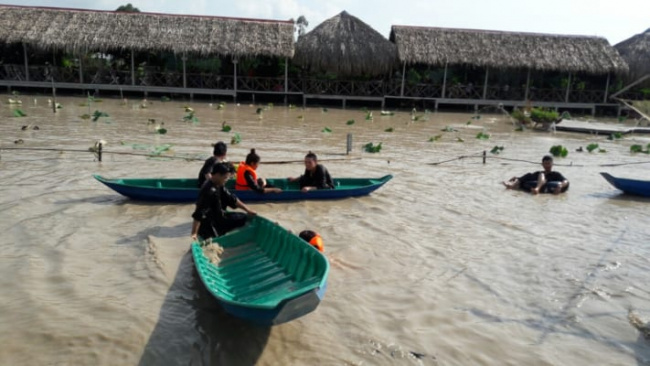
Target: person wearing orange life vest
point(247, 176)
point(313, 238)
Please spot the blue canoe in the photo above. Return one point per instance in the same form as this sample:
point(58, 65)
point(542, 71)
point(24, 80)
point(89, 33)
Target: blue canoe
point(262, 273)
point(629, 186)
point(185, 189)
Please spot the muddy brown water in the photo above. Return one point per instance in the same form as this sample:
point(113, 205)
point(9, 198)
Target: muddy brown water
point(441, 266)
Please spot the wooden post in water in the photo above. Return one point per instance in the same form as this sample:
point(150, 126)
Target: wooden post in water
point(484, 156)
point(99, 152)
point(444, 82)
point(235, 61)
point(349, 144)
point(26, 63)
point(606, 89)
point(53, 95)
point(401, 93)
point(81, 72)
point(568, 90)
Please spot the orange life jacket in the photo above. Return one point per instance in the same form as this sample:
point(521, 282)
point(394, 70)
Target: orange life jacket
point(317, 242)
point(240, 183)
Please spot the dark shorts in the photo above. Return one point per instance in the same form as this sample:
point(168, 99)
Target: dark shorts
point(232, 220)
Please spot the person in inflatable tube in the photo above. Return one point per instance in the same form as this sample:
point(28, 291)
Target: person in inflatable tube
point(545, 181)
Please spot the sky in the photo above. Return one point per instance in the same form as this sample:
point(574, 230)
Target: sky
point(614, 20)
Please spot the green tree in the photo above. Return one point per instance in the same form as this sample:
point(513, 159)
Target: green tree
point(128, 8)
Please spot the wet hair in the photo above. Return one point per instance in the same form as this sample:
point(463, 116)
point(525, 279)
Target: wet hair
point(222, 168)
point(307, 235)
point(220, 149)
point(252, 157)
point(547, 158)
point(311, 155)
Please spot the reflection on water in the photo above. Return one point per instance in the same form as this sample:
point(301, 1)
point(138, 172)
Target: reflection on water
point(439, 266)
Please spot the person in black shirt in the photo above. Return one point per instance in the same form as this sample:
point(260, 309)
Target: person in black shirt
point(538, 182)
point(218, 155)
point(316, 175)
point(210, 216)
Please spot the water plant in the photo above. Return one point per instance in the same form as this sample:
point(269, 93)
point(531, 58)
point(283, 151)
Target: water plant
point(482, 136)
point(559, 151)
point(324, 110)
point(165, 98)
point(434, 138)
point(225, 127)
point(19, 113)
point(389, 129)
point(350, 122)
point(387, 113)
point(326, 130)
point(235, 139)
point(458, 139)
point(99, 114)
point(371, 148)
point(592, 147)
point(615, 136)
point(369, 116)
point(496, 150)
point(449, 129)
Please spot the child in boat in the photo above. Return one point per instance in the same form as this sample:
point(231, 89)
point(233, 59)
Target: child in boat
point(312, 238)
point(210, 216)
point(316, 175)
point(218, 155)
point(540, 182)
point(247, 176)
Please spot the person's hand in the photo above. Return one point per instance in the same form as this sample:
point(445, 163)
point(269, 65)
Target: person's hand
point(277, 190)
point(251, 213)
point(534, 190)
point(306, 189)
point(195, 237)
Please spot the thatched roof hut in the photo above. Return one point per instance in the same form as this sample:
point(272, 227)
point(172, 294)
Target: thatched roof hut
point(345, 45)
point(76, 29)
point(496, 49)
point(636, 51)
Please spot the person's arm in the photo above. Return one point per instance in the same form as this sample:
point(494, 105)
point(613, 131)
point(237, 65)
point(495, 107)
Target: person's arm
point(195, 229)
point(241, 205)
point(252, 182)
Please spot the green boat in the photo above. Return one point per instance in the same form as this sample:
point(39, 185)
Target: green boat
point(262, 272)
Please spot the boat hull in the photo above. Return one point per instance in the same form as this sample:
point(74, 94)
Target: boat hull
point(629, 186)
point(185, 190)
point(264, 274)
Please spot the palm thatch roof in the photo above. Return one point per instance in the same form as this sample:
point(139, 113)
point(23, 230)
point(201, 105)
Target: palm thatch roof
point(76, 29)
point(496, 49)
point(345, 45)
point(636, 51)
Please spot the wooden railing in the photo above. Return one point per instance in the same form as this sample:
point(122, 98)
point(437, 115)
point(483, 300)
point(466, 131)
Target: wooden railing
point(373, 88)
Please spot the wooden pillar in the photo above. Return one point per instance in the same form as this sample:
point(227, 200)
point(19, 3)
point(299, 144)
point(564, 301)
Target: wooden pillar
point(286, 75)
point(444, 81)
point(487, 74)
point(568, 90)
point(26, 63)
point(235, 61)
point(81, 71)
point(401, 93)
point(184, 59)
point(606, 89)
point(132, 67)
point(527, 86)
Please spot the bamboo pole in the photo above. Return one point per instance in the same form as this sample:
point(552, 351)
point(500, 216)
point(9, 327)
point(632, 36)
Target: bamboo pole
point(286, 75)
point(444, 81)
point(26, 63)
point(81, 72)
point(184, 59)
point(485, 84)
point(401, 93)
point(132, 67)
point(527, 86)
point(235, 61)
point(568, 89)
point(606, 88)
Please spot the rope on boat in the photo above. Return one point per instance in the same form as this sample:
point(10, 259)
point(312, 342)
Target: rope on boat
point(154, 155)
